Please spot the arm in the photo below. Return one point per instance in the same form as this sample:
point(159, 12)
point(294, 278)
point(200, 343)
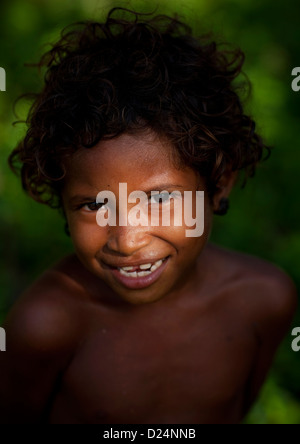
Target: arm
point(275, 305)
point(40, 341)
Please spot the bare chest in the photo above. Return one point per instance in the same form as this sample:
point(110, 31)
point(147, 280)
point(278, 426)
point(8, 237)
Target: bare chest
point(165, 373)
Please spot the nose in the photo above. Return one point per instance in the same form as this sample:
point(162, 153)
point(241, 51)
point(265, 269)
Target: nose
point(127, 240)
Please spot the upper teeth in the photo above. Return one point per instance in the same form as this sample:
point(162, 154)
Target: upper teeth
point(149, 267)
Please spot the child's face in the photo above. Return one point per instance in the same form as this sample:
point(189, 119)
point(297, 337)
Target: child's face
point(144, 163)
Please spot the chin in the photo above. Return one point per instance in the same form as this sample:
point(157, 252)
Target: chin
point(138, 297)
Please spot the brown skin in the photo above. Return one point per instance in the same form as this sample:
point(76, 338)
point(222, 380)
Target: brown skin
point(193, 347)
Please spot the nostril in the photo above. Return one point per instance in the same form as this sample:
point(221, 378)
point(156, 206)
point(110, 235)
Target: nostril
point(126, 241)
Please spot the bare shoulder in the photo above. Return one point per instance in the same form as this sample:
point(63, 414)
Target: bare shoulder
point(263, 287)
point(44, 328)
point(258, 299)
point(48, 315)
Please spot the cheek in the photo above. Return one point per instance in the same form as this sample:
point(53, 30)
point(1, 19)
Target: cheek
point(177, 237)
point(195, 227)
point(87, 237)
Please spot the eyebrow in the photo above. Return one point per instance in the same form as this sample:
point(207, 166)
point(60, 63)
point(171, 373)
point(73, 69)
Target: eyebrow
point(77, 199)
point(162, 187)
point(84, 198)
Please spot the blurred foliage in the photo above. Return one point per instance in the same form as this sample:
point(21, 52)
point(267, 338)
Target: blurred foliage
point(263, 218)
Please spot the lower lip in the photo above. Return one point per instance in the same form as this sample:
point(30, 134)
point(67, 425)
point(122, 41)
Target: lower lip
point(139, 282)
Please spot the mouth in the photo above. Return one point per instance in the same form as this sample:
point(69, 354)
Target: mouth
point(139, 276)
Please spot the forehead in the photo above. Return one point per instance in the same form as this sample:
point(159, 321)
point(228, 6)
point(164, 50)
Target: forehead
point(127, 158)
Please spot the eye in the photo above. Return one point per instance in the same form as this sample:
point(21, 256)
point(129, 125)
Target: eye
point(160, 198)
point(92, 206)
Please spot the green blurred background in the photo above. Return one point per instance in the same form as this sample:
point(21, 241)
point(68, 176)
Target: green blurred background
point(263, 218)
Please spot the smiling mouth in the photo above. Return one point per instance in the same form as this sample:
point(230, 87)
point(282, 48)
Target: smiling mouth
point(141, 270)
point(139, 276)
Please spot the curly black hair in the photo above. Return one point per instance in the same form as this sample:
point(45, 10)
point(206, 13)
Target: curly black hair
point(131, 75)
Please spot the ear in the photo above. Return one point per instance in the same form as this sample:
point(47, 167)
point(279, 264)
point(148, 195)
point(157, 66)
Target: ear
point(224, 187)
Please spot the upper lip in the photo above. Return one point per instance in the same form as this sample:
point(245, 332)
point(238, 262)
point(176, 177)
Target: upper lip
point(134, 264)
